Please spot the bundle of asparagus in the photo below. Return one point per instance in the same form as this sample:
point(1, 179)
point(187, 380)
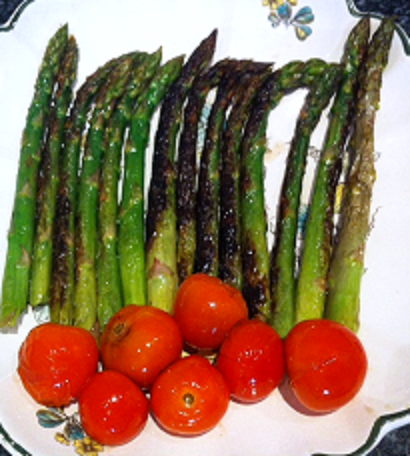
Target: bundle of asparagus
point(81, 241)
point(17, 273)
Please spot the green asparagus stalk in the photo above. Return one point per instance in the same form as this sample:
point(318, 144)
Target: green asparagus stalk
point(347, 263)
point(85, 314)
point(131, 235)
point(109, 293)
point(21, 233)
point(207, 201)
point(49, 178)
point(186, 179)
point(284, 255)
point(63, 274)
point(161, 216)
point(230, 257)
point(255, 254)
point(312, 280)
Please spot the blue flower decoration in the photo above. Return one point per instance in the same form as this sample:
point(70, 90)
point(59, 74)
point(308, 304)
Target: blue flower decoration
point(282, 13)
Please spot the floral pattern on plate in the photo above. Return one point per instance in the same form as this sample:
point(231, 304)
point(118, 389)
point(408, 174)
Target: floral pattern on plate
point(283, 12)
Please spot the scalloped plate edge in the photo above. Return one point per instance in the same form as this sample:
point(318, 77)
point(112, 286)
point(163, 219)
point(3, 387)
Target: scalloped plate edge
point(11, 22)
point(354, 11)
point(380, 429)
point(11, 444)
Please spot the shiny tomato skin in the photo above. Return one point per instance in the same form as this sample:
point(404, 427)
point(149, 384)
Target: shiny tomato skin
point(205, 309)
point(55, 362)
point(140, 341)
point(252, 361)
point(190, 397)
point(113, 409)
point(326, 363)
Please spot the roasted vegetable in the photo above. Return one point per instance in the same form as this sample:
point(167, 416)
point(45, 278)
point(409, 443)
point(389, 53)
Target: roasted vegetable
point(109, 290)
point(49, 175)
point(255, 255)
point(63, 273)
point(88, 193)
point(207, 200)
point(317, 243)
point(230, 254)
point(161, 214)
point(347, 263)
point(186, 179)
point(22, 226)
point(131, 234)
point(284, 253)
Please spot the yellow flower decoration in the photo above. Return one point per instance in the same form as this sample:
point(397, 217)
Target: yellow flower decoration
point(88, 447)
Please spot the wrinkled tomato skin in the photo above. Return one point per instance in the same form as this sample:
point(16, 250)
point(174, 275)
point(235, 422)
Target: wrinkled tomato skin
point(252, 361)
point(113, 409)
point(55, 362)
point(326, 363)
point(140, 341)
point(205, 309)
point(190, 397)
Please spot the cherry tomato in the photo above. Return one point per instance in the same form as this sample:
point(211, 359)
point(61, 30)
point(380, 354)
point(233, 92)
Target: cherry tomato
point(113, 409)
point(206, 308)
point(140, 341)
point(326, 363)
point(55, 362)
point(252, 360)
point(190, 397)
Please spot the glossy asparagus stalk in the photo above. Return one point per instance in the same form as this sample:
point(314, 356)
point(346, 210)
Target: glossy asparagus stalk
point(63, 273)
point(187, 173)
point(284, 252)
point(347, 263)
point(109, 286)
point(317, 244)
point(49, 174)
point(131, 234)
point(208, 200)
point(230, 254)
point(161, 235)
point(256, 264)
point(88, 192)
point(21, 234)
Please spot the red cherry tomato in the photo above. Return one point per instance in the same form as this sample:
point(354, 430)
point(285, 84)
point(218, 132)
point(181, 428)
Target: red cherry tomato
point(55, 363)
point(252, 361)
point(140, 341)
point(206, 308)
point(113, 409)
point(190, 397)
point(326, 362)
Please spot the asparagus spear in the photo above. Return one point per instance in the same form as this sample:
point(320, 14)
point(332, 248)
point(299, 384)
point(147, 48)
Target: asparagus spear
point(131, 235)
point(255, 254)
point(284, 255)
point(109, 293)
point(63, 274)
point(21, 234)
point(207, 201)
point(347, 263)
point(187, 168)
point(230, 258)
point(85, 314)
point(311, 285)
point(161, 216)
point(49, 176)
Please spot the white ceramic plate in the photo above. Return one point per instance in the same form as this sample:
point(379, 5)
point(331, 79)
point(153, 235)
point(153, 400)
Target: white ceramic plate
point(106, 28)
